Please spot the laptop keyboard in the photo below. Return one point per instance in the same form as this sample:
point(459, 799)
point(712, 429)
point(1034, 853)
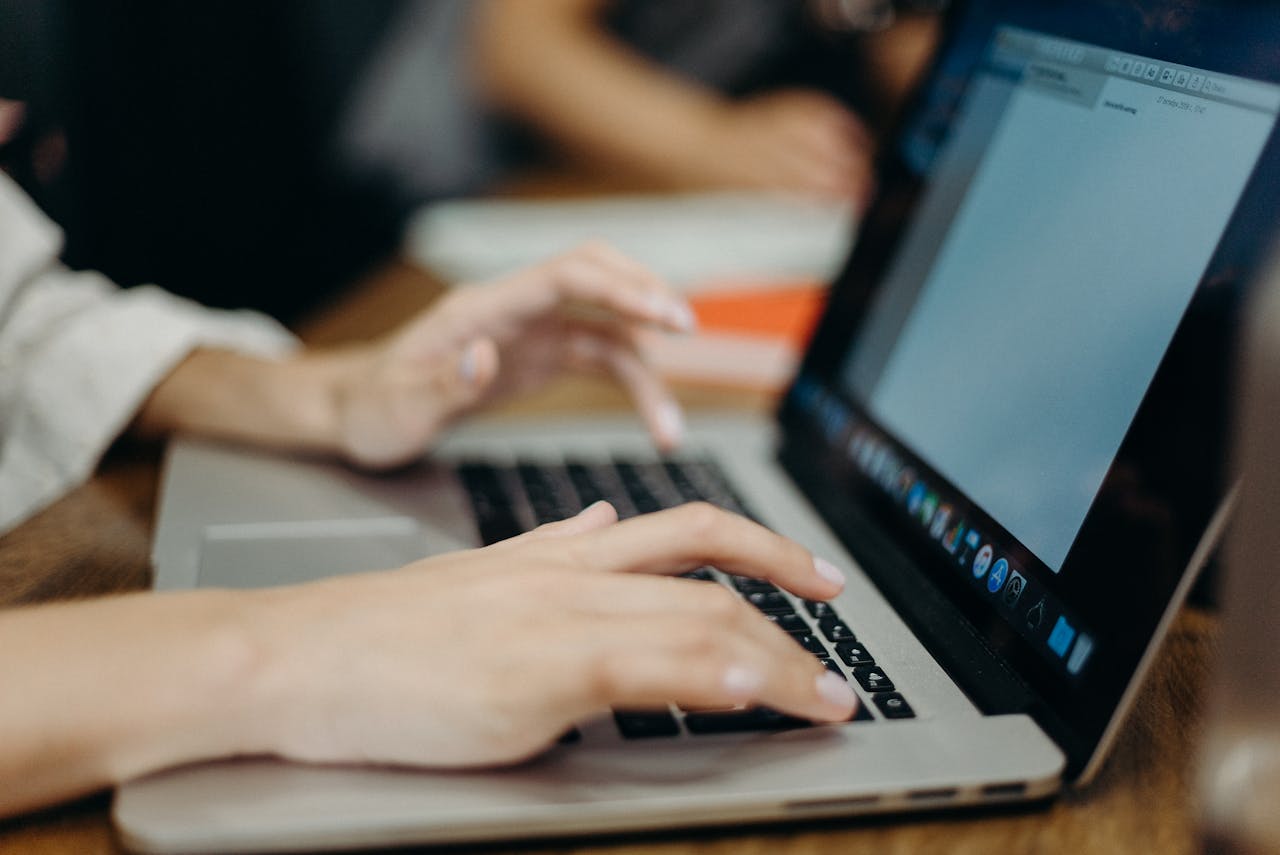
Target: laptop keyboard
point(555, 491)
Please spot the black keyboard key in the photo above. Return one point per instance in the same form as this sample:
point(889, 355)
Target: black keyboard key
point(771, 603)
point(810, 643)
point(854, 653)
point(495, 517)
point(545, 496)
point(873, 678)
point(862, 713)
point(835, 630)
point(702, 574)
point(682, 482)
point(820, 611)
point(711, 486)
point(637, 488)
point(761, 718)
point(830, 665)
point(893, 705)
point(746, 585)
point(584, 483)
point(646, 725)
point(570, 736)
point(789, 623)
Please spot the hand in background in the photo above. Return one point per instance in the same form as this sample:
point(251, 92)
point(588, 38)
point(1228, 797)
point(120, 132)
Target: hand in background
point(11, 115)
point(487, 656)
point(383, 404)
point(615, 106)
point(793, 141)
point(481, 343)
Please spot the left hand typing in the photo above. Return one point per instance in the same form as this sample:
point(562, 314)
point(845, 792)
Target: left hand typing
point(484, 342)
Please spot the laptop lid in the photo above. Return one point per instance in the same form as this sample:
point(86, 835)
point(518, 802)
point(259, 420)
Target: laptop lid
point(1012, 411)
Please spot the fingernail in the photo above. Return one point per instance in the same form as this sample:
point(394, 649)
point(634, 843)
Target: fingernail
point(835, 690)
point(467, 365)
point(829, 571)
point(657, 306)
point(671, 310)
point(670, 422)
point(742, 682)
point(683, 318)
point(592, 507)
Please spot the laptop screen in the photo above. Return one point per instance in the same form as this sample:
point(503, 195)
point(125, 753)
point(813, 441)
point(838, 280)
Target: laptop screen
point(1044, 243)
point(1060, 219)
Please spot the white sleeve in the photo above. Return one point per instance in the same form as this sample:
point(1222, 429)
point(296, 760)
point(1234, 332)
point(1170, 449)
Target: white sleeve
point(78, 357)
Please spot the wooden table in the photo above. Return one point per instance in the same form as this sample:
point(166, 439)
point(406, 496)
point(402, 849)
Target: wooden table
point(96, 541)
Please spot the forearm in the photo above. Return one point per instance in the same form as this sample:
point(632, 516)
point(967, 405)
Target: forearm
point(288, 404)
point(553, 64)
point(100, 692)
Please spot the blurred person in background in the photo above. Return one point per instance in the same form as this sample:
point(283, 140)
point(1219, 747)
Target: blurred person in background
point(684, 94)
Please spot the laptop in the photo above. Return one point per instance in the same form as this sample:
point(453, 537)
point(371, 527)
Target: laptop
point(1008, 426)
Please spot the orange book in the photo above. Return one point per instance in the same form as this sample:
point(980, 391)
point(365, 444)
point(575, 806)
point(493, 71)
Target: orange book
point(750, 334)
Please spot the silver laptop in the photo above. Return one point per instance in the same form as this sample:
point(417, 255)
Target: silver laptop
point(1007, 426)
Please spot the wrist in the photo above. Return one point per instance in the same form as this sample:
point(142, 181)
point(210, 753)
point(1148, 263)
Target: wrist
point(314, 394)
point(203, 694)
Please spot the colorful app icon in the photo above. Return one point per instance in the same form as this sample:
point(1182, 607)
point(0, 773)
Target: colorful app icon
point(1013, 590)
point(1035, 615)
point(915, 498)
point(972, 541)
point(906, 481)
point(1061, 637)
point(999, 572)
point(928, 507)
point(866, 454)
point(892, 471)
point(982, 561)
point(952, 539)
point(856, 442)
point(939, 526)
point(1080, 653)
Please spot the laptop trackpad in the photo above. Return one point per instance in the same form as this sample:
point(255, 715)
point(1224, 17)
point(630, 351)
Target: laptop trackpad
point(260, 555)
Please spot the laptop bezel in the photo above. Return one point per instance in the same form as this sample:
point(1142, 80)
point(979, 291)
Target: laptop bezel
point(896, 557)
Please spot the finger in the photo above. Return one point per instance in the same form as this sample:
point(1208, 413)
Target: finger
point(690, 536)
point(811, 175)
point(595, 516)
point(824, 143)
point(634, 594)
point(619, 355)
point(650, 661)
point(598, 277)
point(614, 595)
point(820, 109)
point(389, 423)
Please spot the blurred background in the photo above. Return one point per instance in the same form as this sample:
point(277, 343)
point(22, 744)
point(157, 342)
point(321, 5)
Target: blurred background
point(266, 154)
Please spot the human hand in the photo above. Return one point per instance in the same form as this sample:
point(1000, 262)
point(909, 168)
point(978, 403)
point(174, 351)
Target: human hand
point(580, 310)
point(11, 115)
point(485, 657)
point(795, 140)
